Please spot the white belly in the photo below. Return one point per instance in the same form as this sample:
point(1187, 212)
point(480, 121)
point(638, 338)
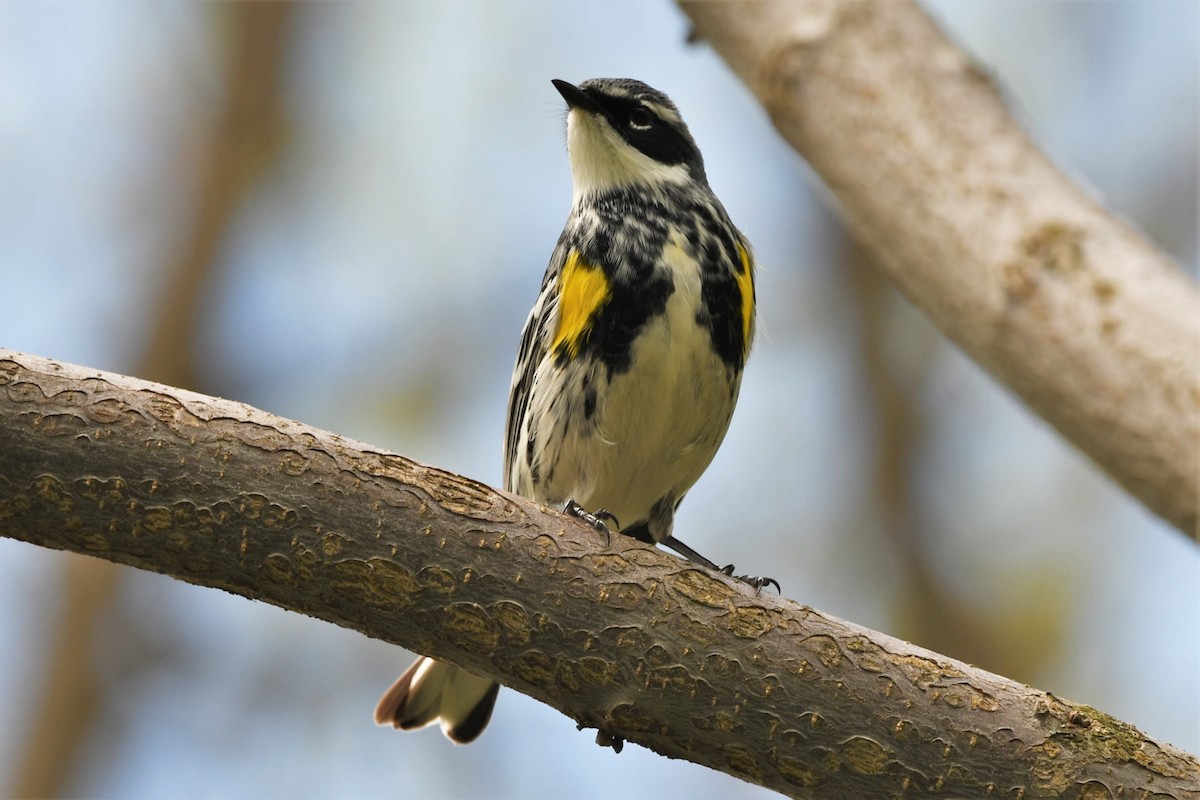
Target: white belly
point(656, 426)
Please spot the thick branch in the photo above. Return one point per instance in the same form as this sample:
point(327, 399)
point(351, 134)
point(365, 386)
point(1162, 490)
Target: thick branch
point(1091, 326)
point(684, 661)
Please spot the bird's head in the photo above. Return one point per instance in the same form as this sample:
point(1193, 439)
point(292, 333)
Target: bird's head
point(621, 132)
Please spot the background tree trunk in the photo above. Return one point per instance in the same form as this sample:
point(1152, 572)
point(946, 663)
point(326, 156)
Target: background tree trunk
point(1091, 326)
point(240, 144)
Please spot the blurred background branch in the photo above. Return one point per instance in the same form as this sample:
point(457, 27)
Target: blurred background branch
point(238, 145)
point(929, 611)
point(1087, 322)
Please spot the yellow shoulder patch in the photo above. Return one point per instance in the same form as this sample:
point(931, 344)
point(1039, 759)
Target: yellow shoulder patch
point(582, 291)
point(745, 283)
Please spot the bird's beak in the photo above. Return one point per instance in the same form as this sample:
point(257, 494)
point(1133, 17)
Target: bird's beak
point(574, 96)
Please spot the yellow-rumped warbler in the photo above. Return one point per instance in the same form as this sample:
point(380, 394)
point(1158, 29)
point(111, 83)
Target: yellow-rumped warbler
point(631, 358)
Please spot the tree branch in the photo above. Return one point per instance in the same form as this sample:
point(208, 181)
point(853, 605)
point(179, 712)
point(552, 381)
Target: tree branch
point(684, 661)
point(1091, 326)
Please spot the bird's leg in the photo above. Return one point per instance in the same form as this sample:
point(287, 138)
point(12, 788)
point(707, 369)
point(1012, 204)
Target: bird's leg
point(696, 558)
point(693, 556)
point(597, 520)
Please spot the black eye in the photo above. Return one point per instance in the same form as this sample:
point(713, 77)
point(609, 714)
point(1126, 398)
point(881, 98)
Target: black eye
point(641, 118)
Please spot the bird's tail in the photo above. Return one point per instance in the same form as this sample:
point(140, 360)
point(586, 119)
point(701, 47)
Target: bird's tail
point(430, 691)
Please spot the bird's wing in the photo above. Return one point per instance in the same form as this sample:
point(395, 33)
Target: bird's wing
point(535, 345)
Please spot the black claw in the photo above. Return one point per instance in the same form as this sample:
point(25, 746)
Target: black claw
point(760, 583)
point(595, 520)
point(604, 515)
point(752, 580)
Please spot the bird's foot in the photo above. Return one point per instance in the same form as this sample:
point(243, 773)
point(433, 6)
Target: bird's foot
point(752, 580)
point(597, 520)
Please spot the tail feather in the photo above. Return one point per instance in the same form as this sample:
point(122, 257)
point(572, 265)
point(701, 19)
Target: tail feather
point(430, 691)
point(468, 729)
point(413, 700)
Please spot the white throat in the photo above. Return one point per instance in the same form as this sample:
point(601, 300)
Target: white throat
point(602, 160)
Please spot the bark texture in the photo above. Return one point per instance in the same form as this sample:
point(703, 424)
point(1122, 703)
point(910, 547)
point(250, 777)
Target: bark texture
point(630, 639)
point(1092, 327)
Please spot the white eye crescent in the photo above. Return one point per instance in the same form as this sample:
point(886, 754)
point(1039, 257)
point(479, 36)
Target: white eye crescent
point(641, 119)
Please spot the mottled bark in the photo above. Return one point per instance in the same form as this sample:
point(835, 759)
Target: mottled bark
point(1074, 311)
point(686, 662)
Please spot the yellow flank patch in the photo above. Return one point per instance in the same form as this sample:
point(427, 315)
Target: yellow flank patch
point(582, 291)
point(745, 282)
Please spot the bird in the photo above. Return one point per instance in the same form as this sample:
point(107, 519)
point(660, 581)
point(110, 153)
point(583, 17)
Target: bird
point(630, 361)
